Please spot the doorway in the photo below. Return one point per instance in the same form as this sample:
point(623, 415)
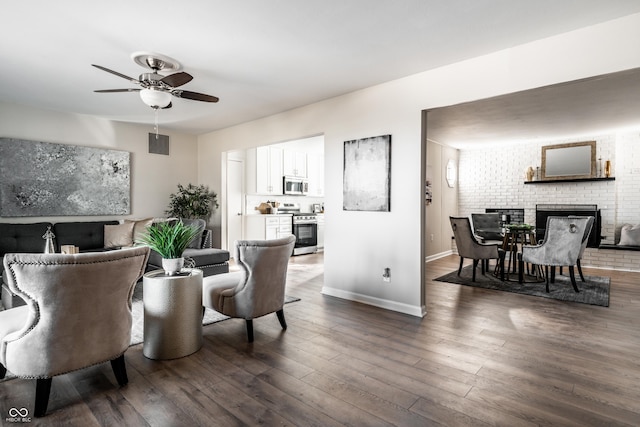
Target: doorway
point(235, 190)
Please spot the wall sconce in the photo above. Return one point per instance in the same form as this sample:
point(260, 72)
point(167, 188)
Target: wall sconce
point(451, 173)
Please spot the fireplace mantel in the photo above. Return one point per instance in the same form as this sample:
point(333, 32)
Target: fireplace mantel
point(555, 181)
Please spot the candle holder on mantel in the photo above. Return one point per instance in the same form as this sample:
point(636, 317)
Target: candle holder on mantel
point(607, 168)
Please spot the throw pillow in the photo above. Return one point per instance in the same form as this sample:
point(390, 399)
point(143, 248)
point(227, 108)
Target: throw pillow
point(139, 227)
point(118, 236)
point(630, 235)
point(196, 243)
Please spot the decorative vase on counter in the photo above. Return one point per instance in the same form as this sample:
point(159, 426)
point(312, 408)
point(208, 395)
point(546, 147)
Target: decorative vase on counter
point(172, 266)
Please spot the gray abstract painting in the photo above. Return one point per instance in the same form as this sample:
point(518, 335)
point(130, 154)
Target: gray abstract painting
point(45, 179)
point(367, 174)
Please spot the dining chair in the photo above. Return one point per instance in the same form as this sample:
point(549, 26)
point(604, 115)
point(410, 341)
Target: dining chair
point(469, 247)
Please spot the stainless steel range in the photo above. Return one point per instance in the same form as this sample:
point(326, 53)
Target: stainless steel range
point(305, 228)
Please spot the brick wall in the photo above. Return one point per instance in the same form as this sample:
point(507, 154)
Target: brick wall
point(494, 178)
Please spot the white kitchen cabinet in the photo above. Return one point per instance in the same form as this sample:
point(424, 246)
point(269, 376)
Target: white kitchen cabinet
point(315, 173)
point(260, 227)
point(264, 170)
point(294, 163)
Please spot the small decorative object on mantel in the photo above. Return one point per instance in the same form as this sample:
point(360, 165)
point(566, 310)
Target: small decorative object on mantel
point(529, 173)
point(170, 240)
point(49, 247)
point(607, 168)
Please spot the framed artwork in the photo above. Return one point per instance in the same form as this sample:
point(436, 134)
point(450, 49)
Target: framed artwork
point(46, 179)
point(367, 174)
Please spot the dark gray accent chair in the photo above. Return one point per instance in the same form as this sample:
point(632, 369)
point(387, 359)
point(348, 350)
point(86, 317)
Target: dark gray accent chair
point(562, 246)
point(487, 226)
point(258, 288)
point(77, 314)
point(469, 247)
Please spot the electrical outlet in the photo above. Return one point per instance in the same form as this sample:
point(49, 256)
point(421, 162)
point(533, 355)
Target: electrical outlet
point(386, 275)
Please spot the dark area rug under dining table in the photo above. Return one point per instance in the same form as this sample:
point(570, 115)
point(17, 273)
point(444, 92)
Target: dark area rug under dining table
point(594, 290)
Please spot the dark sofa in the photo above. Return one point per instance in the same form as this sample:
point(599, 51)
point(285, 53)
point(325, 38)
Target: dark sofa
point(88, 236)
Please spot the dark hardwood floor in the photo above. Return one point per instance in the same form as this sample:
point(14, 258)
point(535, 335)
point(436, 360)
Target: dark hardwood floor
point(479, 357)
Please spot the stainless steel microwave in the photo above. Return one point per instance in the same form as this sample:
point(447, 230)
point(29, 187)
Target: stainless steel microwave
point(295, 186)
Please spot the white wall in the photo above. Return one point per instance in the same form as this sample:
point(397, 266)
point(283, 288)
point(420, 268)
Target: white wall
point(438, 231)
point(153, 176)
point(358, 245)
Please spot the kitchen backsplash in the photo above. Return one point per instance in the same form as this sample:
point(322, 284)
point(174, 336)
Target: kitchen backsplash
point(306, 203)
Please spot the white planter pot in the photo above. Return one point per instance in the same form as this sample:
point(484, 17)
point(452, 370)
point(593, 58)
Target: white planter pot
point(172, 266)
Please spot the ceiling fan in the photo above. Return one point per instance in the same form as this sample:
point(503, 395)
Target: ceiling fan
point(156, 89)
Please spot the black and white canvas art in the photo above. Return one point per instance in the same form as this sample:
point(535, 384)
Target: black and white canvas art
point(46, 179)
point(367, 174)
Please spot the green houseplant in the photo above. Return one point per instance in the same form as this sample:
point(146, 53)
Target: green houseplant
point(170, 240)
point(192, 201)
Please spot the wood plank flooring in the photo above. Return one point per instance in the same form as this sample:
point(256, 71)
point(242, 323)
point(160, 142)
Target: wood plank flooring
point(479, 357)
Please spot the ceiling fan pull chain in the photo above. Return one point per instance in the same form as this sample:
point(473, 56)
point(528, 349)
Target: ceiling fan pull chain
point(155, 112)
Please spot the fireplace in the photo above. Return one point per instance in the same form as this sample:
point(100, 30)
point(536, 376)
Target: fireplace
point(545, 211)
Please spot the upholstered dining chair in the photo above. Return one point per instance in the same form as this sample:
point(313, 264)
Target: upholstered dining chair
point(561, 246)
point(258, 288)
point(487, 226)
point(77, 314)
point(469, 247)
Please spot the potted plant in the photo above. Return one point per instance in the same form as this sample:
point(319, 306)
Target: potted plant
point(170, 240)
point(192, 201)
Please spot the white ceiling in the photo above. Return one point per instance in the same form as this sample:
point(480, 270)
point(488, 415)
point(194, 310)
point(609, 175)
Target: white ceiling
point(260, 57)
point(587, 107)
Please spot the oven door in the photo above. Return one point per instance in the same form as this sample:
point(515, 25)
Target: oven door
point(306, 236)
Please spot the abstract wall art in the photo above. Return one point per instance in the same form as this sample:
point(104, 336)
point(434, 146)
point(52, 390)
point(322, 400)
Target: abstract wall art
point(46, 179)
point(367, 174)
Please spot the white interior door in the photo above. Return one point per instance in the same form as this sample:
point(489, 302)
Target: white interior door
point(235, 187)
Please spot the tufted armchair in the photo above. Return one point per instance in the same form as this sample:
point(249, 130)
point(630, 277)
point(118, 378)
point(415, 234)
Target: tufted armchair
point(469, 247)
point(562, 246)
point(77, 314)
point(258, 288)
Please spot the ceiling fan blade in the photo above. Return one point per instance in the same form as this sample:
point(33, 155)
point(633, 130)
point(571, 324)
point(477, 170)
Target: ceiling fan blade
point(118, 90)
point(177, 79)
point(131, 79)
point(185, 94)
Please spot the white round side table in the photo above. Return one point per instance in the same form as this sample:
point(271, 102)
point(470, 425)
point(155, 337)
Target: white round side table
point(172, 314)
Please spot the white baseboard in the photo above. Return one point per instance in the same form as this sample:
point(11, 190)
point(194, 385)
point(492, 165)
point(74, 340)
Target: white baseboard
point(438, 256)
point(376, 302)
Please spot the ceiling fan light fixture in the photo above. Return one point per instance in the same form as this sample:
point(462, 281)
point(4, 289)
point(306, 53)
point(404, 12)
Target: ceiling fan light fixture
point(155, 98)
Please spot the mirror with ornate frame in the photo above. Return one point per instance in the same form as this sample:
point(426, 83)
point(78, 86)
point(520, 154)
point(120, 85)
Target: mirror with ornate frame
point(574, 160)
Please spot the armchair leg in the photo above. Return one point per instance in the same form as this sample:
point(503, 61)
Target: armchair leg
point(475, 265)
point(546, 277)
point(460, 268)
point(280, 314)
point(43, 388)
point(553, 274)
point(249, 329)
point(120, 370)
point(580, 270)
point(572, 274)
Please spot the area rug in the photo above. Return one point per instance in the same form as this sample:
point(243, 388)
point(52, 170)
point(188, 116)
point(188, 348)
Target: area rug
point(594, 291)
point(137, 329)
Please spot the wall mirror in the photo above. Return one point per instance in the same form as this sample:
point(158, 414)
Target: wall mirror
point(569, 161)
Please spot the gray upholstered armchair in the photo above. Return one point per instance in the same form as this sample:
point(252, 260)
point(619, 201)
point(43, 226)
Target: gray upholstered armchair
point(258, 288)
point(469, 247)
point(77, 314)
point(562, 246)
